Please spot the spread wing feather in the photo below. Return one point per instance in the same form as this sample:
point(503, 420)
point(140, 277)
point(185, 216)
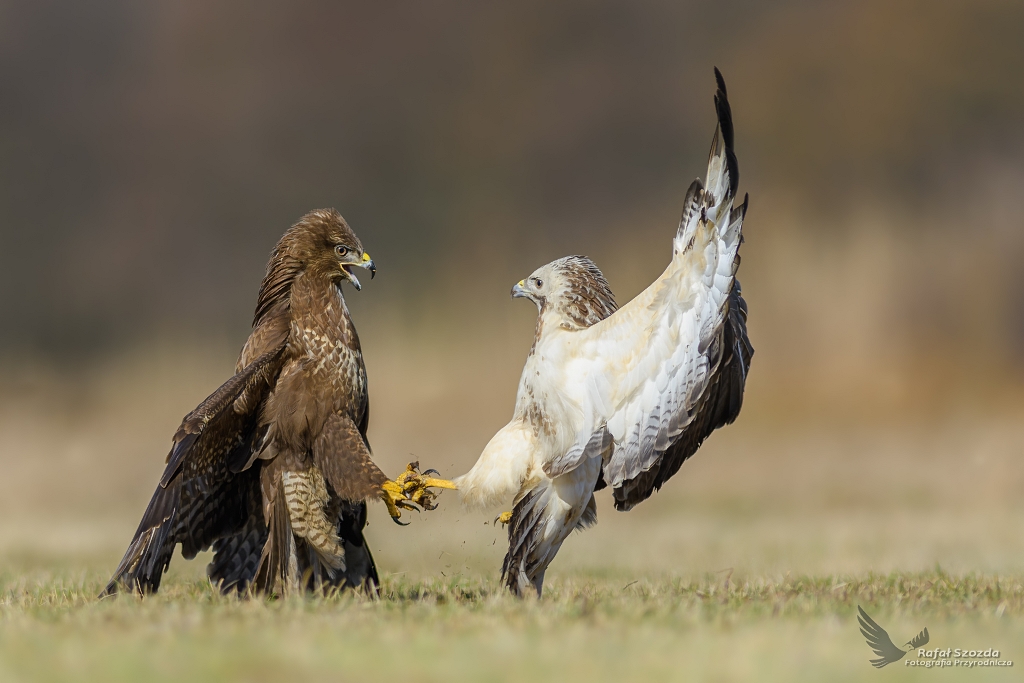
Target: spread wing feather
point(200, 498)
point(673, 361)
point(719, 406)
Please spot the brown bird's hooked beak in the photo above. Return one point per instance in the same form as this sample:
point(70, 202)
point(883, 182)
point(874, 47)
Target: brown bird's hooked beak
point(519, 291)
point(366, 263)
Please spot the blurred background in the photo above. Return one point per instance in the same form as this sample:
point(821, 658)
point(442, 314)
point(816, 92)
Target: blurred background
point(151, 154)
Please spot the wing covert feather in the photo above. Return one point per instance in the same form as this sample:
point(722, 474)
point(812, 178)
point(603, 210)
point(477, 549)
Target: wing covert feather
point(237, 393)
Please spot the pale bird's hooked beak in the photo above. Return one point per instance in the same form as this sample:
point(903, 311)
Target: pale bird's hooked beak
point(519, 290)
point(367, 263)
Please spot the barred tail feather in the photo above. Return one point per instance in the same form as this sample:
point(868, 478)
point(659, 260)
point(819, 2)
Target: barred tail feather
point(236, 557)
point(524, 531)
point(277, 572)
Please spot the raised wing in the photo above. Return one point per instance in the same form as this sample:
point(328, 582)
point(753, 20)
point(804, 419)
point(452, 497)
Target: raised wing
point(670, 366)
point(718, 406)
point(878, 640)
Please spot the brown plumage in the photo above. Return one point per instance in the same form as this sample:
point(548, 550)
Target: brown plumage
point(273, 470)
point(587, 297)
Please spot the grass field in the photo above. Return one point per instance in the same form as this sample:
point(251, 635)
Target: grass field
point(587, 628)
point(748, 565)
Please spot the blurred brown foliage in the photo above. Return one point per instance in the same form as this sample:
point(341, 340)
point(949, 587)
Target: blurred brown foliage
point(151, 154)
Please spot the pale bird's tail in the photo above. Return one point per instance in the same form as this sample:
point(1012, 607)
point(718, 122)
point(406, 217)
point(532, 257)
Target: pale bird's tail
point(541, 521)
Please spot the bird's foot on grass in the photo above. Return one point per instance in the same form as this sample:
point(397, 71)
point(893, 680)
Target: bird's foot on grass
point(411, 490)
point(503, 519)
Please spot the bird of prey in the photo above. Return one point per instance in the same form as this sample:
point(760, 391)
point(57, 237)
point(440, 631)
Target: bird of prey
point(620, 398)
point(273, 470)
point(882, 645)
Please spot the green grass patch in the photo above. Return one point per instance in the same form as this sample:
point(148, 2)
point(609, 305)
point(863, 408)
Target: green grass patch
point(52, 627)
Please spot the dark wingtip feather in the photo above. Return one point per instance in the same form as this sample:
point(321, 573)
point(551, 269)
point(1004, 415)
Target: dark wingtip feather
point(150, 551)
point(725, 125)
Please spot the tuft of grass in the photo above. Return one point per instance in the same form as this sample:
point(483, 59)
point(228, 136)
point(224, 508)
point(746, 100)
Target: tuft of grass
point(52, 627)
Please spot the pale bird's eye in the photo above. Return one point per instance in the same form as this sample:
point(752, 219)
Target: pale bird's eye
point(341, 250)
point(538, 282)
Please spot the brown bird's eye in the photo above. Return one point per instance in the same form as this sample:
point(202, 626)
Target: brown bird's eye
point(341, 250)
point(538, 282)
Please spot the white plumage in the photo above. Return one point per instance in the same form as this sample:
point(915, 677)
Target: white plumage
point(625, 395)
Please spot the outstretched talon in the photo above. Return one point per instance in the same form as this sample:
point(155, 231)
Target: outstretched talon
point(410, 490)
point(420, 493)
point(503, 519)
point(394, 498)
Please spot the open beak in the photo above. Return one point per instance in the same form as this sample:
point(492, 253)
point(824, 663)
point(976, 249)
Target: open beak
point(519, 290)
point(366, 263)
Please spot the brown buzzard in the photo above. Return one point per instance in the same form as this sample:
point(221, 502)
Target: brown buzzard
point(273, 470)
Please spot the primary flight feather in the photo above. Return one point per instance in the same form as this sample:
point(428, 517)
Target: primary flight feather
point(621, 397)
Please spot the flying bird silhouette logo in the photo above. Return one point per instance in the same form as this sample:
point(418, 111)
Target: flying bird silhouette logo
point(881, 643)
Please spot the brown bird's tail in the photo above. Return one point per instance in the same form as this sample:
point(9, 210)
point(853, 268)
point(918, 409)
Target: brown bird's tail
point(151, 548)
point(287, 563)
point(236, 557)
point(277, 571)
point(360, 569)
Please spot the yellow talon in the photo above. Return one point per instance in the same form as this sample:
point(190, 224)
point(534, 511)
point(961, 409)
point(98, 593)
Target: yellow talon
point(394, 497)
point(503, 519)
point(410, 490)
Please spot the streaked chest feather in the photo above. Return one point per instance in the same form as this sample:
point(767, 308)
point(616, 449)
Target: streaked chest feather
point(549, 396)
point(325, 339)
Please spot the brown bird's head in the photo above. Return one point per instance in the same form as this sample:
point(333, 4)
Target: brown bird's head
point(572, 288)
point(322, 245)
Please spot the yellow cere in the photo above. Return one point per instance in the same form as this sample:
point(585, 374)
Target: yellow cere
point(366, 257)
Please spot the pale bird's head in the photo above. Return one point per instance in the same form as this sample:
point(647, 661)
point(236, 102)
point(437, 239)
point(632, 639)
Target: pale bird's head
point(323, 243)
point(572, 289)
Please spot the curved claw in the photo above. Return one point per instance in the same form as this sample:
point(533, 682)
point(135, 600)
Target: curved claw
point(430, 471)
point(399, 522)
point(407, 505)
point(410, 490)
